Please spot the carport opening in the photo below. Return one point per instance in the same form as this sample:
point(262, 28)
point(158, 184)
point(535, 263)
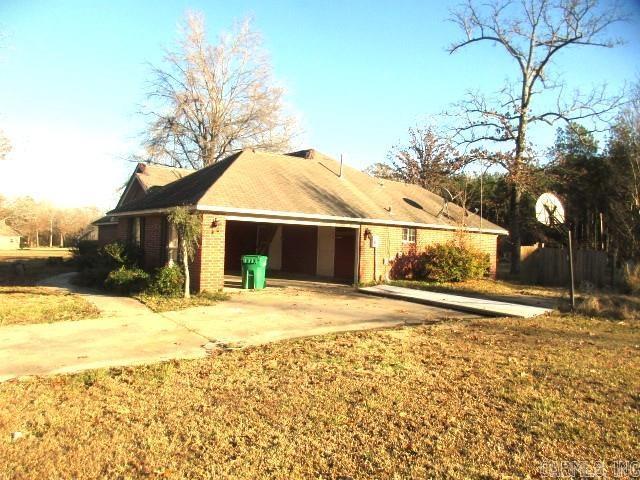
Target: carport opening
point(299, 252)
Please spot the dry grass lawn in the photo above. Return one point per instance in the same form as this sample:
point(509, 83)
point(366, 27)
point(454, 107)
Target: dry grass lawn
point(22, 305)
point(42, 252)
point(158, 303)
point(592, 303)
point(485, 287)
point(487, 398)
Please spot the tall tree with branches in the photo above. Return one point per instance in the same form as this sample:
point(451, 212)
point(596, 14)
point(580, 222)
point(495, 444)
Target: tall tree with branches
point(532, 33)
point(209, 101)
point(428, 159)
point(623, 182)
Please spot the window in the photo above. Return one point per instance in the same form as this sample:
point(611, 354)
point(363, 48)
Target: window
point(172, 244)
point(135, 234)
point(409, 235)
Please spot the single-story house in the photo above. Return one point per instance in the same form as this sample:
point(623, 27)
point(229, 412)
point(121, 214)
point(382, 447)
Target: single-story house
point(143, 179)
point(311, 216)
point(9, 237)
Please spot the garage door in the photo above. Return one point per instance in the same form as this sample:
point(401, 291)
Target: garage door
point(345, 254)
point(299, 249)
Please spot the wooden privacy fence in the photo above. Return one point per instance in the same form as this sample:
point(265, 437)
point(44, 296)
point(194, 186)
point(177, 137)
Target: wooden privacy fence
point(550, 266)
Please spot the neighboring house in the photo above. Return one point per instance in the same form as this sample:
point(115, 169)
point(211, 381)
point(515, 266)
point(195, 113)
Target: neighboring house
point(142, 181)
point(107, 230)
point(9, 238)
point(309, 215)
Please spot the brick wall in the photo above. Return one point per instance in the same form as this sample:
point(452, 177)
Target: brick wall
point(107, 234)
point(207, 268)
point(152, 247)
point(123, 229)
point(375, 262)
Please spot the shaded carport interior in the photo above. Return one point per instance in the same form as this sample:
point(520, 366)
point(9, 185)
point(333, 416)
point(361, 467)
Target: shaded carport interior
point(296, 251)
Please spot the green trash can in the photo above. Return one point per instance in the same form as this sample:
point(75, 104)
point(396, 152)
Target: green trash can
point(254, 271)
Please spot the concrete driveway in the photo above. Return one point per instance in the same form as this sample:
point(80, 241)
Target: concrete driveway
point(248, 318)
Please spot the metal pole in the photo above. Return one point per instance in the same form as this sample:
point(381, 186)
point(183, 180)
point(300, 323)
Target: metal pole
point(573, 299)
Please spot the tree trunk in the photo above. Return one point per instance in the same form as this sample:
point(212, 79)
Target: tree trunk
point(185, 263)
point(516, 188)
point(514, 228)
point(37, 238)
point(61, 239)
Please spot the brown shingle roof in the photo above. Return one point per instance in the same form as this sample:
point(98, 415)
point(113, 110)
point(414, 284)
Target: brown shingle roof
point(304, 184)
point(151, 175)
point(106, 220)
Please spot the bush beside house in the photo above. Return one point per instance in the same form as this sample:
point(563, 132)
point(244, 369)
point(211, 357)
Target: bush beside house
point(449, 262)
point(116, 267)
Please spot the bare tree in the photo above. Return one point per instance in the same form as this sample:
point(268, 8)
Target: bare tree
point(532, 33)
point(623, 180)
point(210, 101)
point(428, 159)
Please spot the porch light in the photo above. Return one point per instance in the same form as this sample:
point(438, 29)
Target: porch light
point(367, 233)
point(214, 223)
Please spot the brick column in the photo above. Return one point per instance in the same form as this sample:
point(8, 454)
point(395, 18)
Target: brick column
point(207, 268)
point(153, 247)
point(123, 229)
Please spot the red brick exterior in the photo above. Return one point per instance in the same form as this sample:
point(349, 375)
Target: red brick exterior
point(375, 263)
point(123, 229)
point(152, 242)
point(207, 269)
point(107, 234)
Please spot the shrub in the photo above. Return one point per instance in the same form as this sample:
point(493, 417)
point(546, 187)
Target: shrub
point(167, 282)
point(87, 255)
point(120, 253)
point(450, 262)
point(87, 247)
point(409, 266)
point(127, 280)
point(92, 277)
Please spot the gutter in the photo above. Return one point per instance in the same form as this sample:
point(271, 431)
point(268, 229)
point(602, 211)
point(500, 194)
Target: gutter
point(309, 216)
point(364, 221)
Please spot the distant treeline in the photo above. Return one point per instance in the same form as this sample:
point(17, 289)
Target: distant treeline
point(42, 224)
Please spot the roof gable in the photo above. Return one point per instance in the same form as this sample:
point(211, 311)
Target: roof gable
point(147, 176)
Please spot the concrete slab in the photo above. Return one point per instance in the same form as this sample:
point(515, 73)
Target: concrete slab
point(109, 305)
point(248, 318)
point(481, 306)
point(262, 316)
point(73, 346)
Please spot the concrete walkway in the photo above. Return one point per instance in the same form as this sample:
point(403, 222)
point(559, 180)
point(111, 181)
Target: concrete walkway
point(131, 334)
point(109, 305)
point(482, 306)
point(65, 347)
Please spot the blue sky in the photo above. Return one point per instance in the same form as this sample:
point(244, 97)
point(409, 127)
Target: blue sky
point(358, 74)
